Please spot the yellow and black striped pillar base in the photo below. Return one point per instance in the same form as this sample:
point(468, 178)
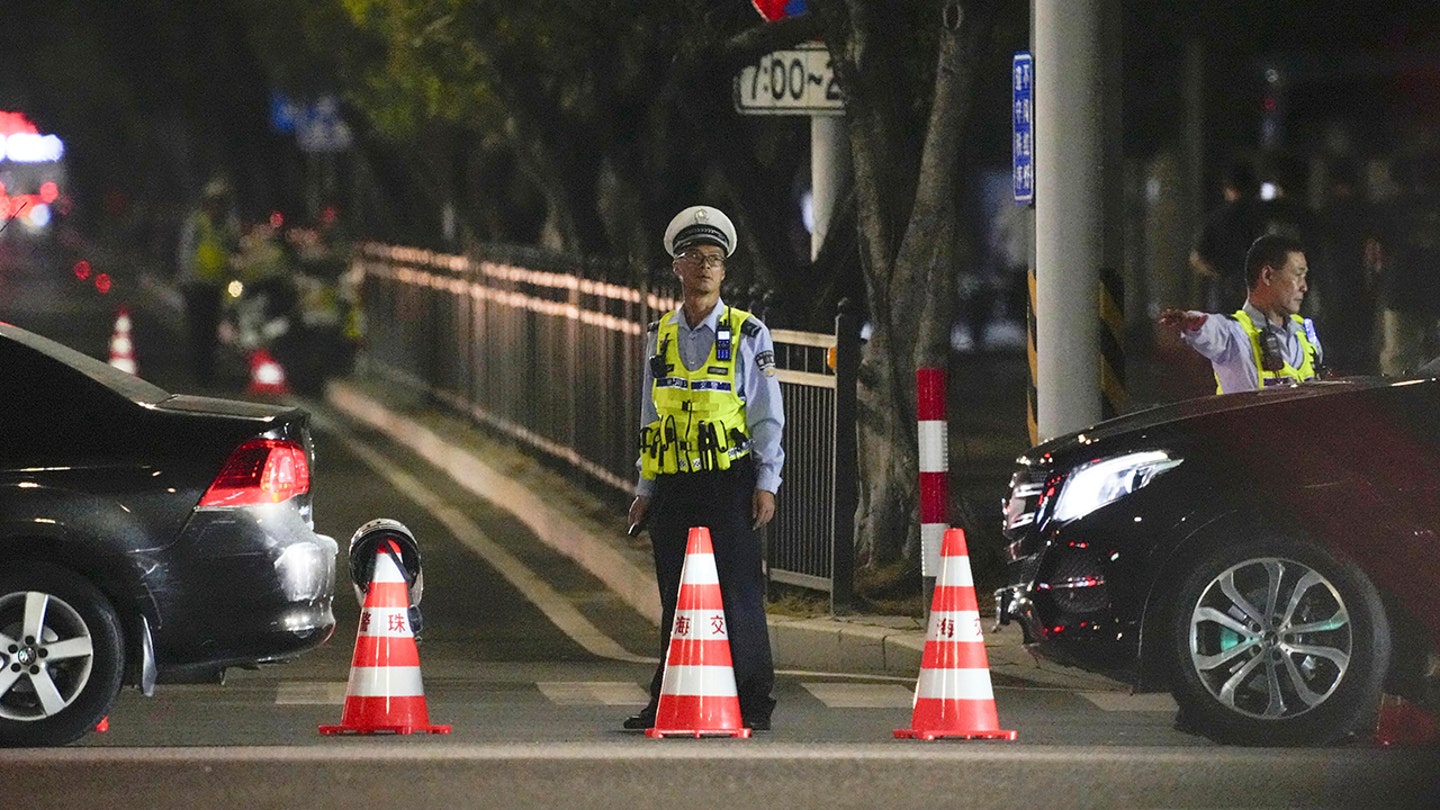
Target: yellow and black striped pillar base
point(1113, 395)
point(1032, 408)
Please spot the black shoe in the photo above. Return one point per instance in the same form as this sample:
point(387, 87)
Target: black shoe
point(757, 723)
point(639, 722)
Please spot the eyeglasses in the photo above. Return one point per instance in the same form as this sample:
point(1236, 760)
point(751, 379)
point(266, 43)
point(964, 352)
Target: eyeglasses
point(712, 261)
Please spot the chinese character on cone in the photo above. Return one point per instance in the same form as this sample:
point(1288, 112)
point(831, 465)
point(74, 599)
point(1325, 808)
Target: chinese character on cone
point(953, 697)
point(385, 692)
point(697, 692)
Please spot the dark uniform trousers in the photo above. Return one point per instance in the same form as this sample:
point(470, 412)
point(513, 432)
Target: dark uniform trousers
point(721, 501)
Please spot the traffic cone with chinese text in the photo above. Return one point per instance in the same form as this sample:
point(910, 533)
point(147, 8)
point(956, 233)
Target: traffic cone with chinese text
point(953, 697)
point(385, 692)
point(697, 692)
point(267, 376)
point(122, 348)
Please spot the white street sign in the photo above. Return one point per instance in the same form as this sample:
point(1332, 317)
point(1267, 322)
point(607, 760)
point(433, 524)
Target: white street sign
point(792, 82)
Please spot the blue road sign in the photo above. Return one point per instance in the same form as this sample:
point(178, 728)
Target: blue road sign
point(1022, 85)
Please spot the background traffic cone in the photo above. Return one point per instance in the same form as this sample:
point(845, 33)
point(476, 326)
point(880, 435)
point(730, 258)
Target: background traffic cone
point(267, 376)
point(953, 697)
point(385, 692)
point(697, 693)
point(122, 348)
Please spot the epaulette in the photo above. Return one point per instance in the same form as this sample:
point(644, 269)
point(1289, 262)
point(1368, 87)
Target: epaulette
point(654, 326)
point(750, 328)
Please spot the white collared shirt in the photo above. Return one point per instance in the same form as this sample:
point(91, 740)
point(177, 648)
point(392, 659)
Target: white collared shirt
point(1222, 341)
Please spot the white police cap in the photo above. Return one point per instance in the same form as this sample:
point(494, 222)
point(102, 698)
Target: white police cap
point(700, 223)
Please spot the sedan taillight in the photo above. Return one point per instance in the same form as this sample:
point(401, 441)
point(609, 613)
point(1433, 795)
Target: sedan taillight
point(260, 471)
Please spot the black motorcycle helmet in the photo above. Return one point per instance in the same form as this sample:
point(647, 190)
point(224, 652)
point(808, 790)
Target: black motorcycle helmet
point(369, 540)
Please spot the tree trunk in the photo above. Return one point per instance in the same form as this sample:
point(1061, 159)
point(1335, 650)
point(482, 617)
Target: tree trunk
point(907, 228)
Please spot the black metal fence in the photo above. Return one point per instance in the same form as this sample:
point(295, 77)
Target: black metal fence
point(550, 356)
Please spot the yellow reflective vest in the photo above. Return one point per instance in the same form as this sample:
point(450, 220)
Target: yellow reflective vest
point(701, 424)
point(210, 254)
point(1288, 373)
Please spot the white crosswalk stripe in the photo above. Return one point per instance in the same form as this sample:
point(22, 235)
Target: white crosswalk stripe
point(303, 693)
point(628, 693)
point(1124, 702)
point(861, 695)
point(608, 693)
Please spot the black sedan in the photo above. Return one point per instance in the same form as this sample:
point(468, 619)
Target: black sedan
point(146, 537)
point(1270, 557)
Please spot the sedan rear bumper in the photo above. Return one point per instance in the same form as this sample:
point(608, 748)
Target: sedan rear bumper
point(258, 586)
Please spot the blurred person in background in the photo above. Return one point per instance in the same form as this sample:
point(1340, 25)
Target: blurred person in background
point(207, 246)
point(1217, 258)
point(1345, 294)
point(1252, 209)
point(1407, 258)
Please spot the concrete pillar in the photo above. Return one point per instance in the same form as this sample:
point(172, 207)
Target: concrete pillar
point(829, 171)
point(1070, 207)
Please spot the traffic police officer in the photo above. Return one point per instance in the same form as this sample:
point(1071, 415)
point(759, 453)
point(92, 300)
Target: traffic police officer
point(1265, 342)
point(710, 452)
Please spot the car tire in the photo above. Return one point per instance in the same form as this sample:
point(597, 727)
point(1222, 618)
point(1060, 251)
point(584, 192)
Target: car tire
point(1277, 642)
point(55, 687)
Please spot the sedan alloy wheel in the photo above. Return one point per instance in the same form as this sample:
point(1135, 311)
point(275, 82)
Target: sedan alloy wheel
point(1270, 638)
point(60, 656)
point(1276, 642)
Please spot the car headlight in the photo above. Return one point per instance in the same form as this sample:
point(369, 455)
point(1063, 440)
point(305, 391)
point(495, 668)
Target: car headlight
point(1107, 480)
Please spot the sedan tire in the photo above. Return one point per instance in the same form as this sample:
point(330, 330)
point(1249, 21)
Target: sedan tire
point(61, 656)
point(1276, 642)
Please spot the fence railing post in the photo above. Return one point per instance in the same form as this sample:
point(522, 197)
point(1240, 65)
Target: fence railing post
point(845, 481)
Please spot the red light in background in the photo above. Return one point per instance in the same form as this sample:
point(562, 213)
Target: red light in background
point(82, 269)
point(48, 192)
point(276, 219)
point(102, 283)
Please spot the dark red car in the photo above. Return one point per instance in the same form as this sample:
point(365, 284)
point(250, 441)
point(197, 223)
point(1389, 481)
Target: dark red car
point(1271, 558)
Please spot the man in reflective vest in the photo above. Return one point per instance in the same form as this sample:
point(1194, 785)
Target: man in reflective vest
point(207, 243)
point(710, 452)
point(1266, 342)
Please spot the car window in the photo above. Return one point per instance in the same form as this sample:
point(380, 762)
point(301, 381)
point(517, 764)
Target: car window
point(126, 385)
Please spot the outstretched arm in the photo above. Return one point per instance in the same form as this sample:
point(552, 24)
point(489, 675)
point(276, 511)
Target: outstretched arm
point(1185, 319)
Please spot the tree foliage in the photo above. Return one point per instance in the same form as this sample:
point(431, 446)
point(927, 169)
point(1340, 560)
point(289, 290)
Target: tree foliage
point(617, 113)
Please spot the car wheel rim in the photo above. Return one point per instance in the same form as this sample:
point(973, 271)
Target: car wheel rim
point(1270, 638)
point(46, 654)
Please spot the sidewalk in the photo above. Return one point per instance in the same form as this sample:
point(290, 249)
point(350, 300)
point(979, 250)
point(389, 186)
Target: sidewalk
point(590, 532)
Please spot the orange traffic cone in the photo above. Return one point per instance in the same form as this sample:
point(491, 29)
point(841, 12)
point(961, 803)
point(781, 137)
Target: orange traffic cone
point(953, 697)
point(122, 348)
point(385, 692)
point(697, 693)
point(1402, 724)
point(267, 376)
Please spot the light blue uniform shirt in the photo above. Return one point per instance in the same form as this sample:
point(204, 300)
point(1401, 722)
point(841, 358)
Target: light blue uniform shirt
point(759, 390)
point(1223, 342)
